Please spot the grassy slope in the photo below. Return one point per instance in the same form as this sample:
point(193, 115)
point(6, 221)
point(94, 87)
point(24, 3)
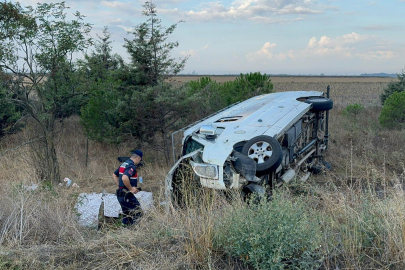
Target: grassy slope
point(361, 201)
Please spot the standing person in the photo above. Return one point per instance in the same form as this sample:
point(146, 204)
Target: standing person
point(126, 177)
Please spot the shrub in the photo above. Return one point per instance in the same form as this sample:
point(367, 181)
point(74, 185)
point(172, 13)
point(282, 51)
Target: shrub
point(246, 86)
point(353, 110)
point(200, 84)
point(271, 235)
point(393, 112)
point(219, 95)
point(394, 87)
point(10, 112)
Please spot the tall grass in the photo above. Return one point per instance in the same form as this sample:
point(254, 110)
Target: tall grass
point(364, 225)
point(32, 217)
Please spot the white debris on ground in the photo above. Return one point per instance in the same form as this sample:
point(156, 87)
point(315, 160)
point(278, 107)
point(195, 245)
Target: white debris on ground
point(31, 188)
point(112, 207)
point(145, 199)
point(69, 183)
point(88, 206)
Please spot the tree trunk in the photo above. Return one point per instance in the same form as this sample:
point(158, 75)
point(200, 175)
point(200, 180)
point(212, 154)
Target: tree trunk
point(53, 164)
point(44, 152)
point(166, 147)
point(50, 163)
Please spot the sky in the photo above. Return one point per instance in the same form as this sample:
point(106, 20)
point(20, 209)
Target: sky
point(306, 37)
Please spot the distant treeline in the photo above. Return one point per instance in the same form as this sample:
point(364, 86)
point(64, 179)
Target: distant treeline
point(299, 75)
point(379, 75)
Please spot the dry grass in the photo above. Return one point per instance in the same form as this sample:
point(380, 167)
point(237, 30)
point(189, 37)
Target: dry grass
point(363, 220)
point(361, 202)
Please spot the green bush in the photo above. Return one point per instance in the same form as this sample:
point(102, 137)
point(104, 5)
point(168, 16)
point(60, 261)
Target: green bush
point(200, 84)
point(246, 86)
point(271, 235)
point(353, 110)
point(393, 112)
point(218, 95)
point(10, 112)
point(394, 87)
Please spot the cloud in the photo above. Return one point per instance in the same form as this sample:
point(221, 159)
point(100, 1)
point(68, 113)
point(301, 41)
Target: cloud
point(167, 1)
point(339, 45)
point(379, 55)
point(206, 46)
point(127, 29)
point(69, 3)
point(351, 45)
point(124, 7)
point(291, 9)
point(267, 11)
point(269, 20)
point(191, 54)
point(376, 27)
point(266, 52)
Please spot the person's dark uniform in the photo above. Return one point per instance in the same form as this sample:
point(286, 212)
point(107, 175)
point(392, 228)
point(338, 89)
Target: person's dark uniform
point(129, 204)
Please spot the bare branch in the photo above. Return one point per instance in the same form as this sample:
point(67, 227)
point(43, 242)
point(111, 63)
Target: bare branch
point(21, 145)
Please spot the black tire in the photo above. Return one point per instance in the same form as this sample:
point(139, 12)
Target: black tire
point(321, 167)
point(320, 103)
point(316, 169)
point(267, 159)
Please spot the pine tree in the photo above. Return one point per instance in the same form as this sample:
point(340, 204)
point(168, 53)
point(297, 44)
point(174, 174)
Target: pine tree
point(150, 51)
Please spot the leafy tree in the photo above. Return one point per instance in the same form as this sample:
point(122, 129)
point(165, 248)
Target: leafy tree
point(394, 87)
point(393, 112)
point(149, 50)
point(37, 49)
point(10, 113)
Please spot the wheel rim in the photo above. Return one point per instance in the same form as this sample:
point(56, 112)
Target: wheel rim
point(260, 152)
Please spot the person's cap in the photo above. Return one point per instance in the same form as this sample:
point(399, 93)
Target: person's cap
point(138, 152)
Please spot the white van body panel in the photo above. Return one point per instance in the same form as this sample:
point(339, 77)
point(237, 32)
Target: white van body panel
point(269, 114)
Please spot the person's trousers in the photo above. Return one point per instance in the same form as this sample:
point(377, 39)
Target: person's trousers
point(130, 207)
